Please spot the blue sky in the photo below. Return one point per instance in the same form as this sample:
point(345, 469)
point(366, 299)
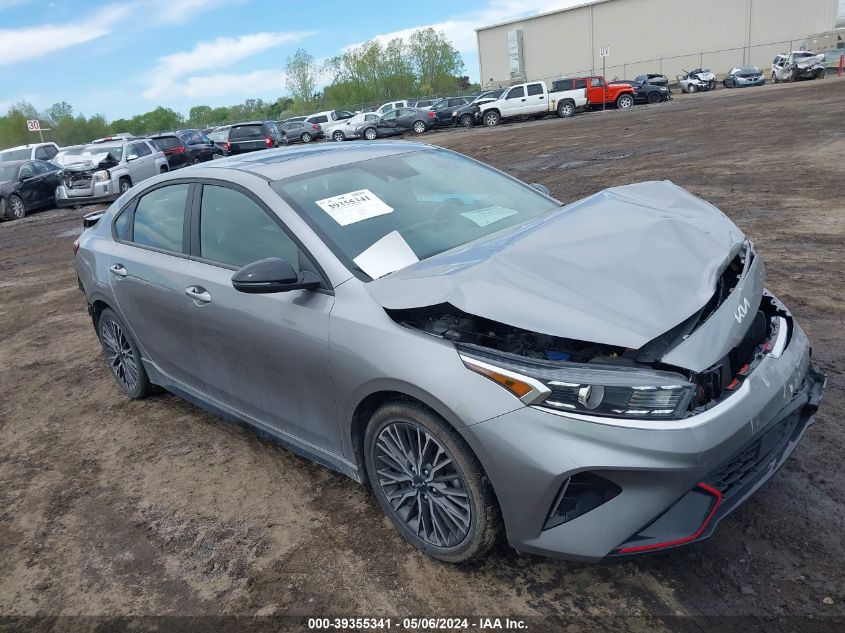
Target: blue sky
point(124, 57)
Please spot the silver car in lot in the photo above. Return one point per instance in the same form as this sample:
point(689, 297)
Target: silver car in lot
point(105, 169)
point(595, 380)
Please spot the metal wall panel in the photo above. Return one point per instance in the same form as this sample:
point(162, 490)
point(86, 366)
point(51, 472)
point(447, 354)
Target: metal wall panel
point(665, 36)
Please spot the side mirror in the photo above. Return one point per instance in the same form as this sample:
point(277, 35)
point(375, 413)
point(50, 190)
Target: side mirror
point(541, 188)
point(273, 274)
point(131, 157)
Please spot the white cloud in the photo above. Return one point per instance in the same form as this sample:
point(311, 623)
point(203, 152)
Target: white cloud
point(178, 11)
point(253, 84)
point(168, 75)
point(17, 45)
point(460, 30)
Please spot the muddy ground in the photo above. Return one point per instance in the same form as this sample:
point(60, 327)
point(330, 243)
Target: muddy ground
point(112, 507)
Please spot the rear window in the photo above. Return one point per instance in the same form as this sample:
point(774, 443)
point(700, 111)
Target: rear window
point(15, 154)
point(246, 131)
point(219, 136)
point(166, 142)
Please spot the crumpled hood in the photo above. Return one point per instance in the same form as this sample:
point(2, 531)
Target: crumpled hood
point(620, 267)
point(80, 162)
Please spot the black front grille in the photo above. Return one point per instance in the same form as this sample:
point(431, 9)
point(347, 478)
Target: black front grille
point(756, 459)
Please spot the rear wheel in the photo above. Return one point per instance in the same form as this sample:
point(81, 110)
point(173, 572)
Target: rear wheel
point(467, 120)
point(122, 356)
point(306, 137)
point(419, 127)
point(565, 109)
point(653, 97)
point(15, 209)
point(339, 136)
point(370, 134)
point(624, 101)
point(429, 483)
point(492, 118)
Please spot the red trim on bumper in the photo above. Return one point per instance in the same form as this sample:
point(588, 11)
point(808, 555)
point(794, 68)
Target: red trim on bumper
point(646, 548)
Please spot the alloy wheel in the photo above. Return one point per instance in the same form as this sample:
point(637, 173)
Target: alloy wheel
point(16, 205)
point(419, 127)
point(370, 134)
point(119, 354)
point(423, 485)
point(339, 136)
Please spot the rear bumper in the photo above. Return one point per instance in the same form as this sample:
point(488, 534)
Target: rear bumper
point(97, 192)
point(531, 454)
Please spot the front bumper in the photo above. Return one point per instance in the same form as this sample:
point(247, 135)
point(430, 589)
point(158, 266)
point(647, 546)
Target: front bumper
point(96, 192)
point(530, 453)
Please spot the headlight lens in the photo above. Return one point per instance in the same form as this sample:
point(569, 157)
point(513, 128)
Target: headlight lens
point(618, 392)
point(101, 176)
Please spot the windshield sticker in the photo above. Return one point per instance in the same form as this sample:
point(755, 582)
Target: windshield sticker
point(348, 208)
point(387, 255)
point(488, 215)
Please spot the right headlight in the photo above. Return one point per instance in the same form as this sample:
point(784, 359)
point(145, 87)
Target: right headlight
point(617, 392)
point(101, 176)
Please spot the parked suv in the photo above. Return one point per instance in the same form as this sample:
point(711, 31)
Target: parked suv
point(599, 92)
point(186, 147)
point(251, 136)
point(33, 151)
point(324, 119)
point(102, 171)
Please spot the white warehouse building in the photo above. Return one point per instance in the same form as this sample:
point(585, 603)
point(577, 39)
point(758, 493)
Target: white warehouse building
point(648, 36)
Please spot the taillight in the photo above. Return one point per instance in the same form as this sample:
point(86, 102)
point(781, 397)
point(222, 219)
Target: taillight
point(226, 146)
point(431, 114)
point(75, 246)
point(268, 141)
point(315, 126)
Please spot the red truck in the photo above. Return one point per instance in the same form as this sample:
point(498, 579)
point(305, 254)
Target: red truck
point(598, 91)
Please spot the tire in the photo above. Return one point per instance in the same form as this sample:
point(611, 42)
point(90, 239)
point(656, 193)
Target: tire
point(15, 208)
point(306, 137)
point(419, 127)
point(339, 136)
point(122, 356)
point(692, 88)
point(653, 97)
point(125, 184)
point(470, 524)
point(370, 134)
point(565, 109)
point(774, 78)
point(492, 118)
point(467, 120)
point(624, 101)
point(711, 85)
point(163, 169)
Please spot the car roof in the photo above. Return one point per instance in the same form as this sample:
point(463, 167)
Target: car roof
point(284, 162)
point(16, 162)
point(27, 146)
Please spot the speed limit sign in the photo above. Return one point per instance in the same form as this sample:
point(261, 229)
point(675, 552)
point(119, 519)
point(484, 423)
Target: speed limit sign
point(33, 125)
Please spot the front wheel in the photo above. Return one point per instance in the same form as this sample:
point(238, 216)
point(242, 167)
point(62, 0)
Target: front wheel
point(419, 127)
point(125, 184)
point(429, 483)
point(122, 356)
point(370, 134)
point(692, 88)
point(339, 136)
point(565, 109)
point(467, 120)
point(624, 101)
point(492, 118)
point(15, 209)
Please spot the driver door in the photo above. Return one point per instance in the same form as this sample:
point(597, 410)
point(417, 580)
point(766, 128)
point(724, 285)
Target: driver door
point(514, 101)
point(265, 355)
point(30, 188)
point(388, 123)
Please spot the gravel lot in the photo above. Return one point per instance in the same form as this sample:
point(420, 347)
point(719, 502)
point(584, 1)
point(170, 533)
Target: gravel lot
point(110, 507)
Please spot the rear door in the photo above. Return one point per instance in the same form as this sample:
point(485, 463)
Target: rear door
point(146, 268)
point(266, 355)
point(535, 98)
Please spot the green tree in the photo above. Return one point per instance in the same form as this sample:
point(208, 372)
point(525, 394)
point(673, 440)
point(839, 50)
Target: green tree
point(435, 61)
point(301, 75)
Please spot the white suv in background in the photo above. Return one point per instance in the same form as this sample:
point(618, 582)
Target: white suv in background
point(41, 151)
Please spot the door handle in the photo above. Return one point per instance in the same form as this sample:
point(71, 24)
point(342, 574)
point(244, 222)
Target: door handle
point(118, 269)
point(542, 97)
point(522, 99)
point(198, 293)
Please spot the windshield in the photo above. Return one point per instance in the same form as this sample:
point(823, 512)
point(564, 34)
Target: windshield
point(15, 154)
point(9, 172)
point(386, 213)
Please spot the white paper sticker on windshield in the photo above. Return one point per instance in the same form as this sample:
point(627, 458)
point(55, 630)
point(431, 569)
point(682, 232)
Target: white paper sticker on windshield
point(488, 215)
point(387, 255)
point(348, 208)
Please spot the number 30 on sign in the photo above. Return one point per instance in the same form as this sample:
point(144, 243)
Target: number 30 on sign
point(33, 125)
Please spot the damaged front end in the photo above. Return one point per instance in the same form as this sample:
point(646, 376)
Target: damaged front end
point(89, 179)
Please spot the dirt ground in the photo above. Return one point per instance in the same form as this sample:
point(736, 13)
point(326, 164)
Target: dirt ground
point(110, 507)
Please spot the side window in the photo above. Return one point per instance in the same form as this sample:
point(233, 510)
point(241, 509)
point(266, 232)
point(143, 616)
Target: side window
point(51, 151)
point(235, 231)
point(320, 119)
point(390, 115)
point(159, 218)
point(534, 90)
point(192, 138)
point(39, 168)
point(595, 82)
point(563, 84)
point(41, 153)
point(143, 149)
point(121, 225)
point(370, 117)
point(516, 93)
point(580, 83)
point(26, 170)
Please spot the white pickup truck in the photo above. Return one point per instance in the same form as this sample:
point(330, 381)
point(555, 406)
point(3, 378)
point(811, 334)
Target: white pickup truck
point(531, 99)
